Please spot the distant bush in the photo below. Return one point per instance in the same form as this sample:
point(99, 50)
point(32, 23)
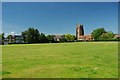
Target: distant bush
point(18, 43)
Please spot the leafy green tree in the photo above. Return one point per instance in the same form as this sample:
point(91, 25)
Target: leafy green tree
point(104, 36)
point(9, 37)
point(107, 36)
point(50, 38)
point(110, 35)
point(42, 38)
point(97, 33)
point(69, 37)
point(31, 35)
point(24, 34)
point(2, 38)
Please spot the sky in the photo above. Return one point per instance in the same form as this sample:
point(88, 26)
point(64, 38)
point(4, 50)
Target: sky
point(60, 0)
point(59, 17)
point(0, 17)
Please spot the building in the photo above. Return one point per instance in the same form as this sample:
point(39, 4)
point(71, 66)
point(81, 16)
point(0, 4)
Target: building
point(85, 38)
point(117, 36)
point(15, 39)
point(58, 37)
point(79, 31)
point(80, 34)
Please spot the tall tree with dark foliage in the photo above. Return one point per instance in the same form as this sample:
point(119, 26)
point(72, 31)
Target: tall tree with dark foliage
point(31, 35)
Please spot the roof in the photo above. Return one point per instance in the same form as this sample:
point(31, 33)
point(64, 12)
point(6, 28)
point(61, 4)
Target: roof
point(58, 37)
point(85, 37)
point(117, 35)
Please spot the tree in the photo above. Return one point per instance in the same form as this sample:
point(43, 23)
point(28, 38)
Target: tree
point(24, 34)
point(50, 38)
point(107, 36)
point(2, 38)
point(110, 35)
point(42, 38)
point(9, 37)
point(97, 33)
point(69, 37)
point(31, 35)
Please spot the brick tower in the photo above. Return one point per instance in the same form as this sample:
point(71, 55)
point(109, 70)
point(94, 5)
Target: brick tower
point(79, 31)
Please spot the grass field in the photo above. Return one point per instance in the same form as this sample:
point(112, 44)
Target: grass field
point(61, 60)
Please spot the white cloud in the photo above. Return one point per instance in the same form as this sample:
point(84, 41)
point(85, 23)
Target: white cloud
point(6, 33)
point(12, 32)
point(17, 34)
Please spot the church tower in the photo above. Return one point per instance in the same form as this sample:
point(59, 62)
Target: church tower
point(79, 31)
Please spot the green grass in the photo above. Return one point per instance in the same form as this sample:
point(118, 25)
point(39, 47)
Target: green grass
point(61, 60)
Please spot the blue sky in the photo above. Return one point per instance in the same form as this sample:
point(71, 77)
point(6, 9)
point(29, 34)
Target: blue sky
point(60, 0)
point(59, 18)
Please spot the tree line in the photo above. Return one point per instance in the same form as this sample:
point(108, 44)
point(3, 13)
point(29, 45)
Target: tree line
point(100, 34)
point(32, 35)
